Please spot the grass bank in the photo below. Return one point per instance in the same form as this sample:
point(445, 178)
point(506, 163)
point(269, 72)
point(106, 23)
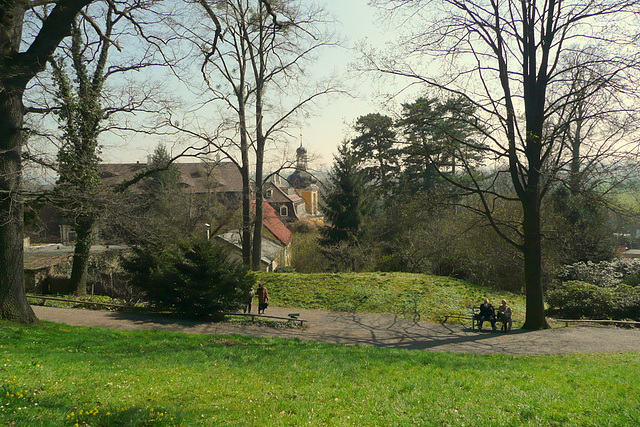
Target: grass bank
point(55, 375)
point(425, 296)
point(416, 296)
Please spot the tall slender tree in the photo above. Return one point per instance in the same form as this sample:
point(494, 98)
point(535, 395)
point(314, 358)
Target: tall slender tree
point(263, 48)
point(80, 116)
point(346, 203)
point(85, 111)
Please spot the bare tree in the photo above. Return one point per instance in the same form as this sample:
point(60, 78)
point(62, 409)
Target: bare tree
point(596, 119)
point(507, 59)
point(259, 58)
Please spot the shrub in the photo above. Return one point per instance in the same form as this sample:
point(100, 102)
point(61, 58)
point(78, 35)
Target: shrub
point(627, 302)
point(306, 256)
point(194, 278)
point(576, 299)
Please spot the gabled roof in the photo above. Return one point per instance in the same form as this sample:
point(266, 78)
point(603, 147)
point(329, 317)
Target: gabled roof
point(198, 177)
point(273, 223)
point(270, 248)
point(284, 194)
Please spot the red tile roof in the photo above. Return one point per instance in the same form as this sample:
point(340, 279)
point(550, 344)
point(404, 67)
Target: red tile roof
point(273, 223)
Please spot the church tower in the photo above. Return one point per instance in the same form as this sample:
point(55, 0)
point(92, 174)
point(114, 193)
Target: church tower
point(301, 158)
point(304, 183)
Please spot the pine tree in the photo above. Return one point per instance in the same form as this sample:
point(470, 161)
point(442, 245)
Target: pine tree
point(346, 203)
point(375, 146)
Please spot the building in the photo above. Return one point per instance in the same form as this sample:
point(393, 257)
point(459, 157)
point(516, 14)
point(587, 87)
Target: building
point(304, 183)
point(298, 198)
point(276, 241)
point(221, 178)
point(285, 200)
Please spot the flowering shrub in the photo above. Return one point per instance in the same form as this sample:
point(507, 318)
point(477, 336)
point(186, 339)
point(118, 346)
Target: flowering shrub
point(604, 273)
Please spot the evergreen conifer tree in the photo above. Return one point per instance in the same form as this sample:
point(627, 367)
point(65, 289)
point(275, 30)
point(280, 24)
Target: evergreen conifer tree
point(346, 203)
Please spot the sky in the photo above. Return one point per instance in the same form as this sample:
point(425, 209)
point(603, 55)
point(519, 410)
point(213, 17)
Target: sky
point(329, 122)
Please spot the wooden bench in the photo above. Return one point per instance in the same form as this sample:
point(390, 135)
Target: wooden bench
point(474, 317)
point(629, 323)
point(253, 317)
point(44, 299)
point(458, 316)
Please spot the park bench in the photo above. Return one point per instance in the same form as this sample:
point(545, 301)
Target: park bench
point(293, 317)
point(628, 323)
point(473, 316)
point(44, 299)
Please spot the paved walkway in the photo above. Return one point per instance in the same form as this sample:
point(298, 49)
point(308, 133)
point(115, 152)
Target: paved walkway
point(374, 329)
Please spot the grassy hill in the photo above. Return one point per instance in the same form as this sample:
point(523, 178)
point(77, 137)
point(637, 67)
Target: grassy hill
point(429, 297)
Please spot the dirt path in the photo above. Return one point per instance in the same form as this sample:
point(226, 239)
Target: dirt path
point(374, 329)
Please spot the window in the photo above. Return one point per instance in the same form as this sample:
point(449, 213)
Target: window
point(284, 211)
point(269, 193)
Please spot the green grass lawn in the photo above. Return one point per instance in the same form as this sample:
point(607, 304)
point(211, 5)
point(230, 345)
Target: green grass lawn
point(55, 375)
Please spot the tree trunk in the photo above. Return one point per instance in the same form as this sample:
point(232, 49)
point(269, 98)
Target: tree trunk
point(257, 230)
point(81, 255)
point(13, 300)
point(246, 218)
point(246, 182)
point(258, 62)
point(532, 251)
point(257, 233)
point(531, 200)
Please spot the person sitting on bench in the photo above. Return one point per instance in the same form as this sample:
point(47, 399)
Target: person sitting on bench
point(487, 312)
point(504, 315)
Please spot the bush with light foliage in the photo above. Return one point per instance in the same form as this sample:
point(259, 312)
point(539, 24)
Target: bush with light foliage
point(604, 273)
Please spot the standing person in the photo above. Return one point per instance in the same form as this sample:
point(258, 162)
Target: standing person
point(263, 298)
point(504, 315)
point(248, 299)
point(487, 312)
